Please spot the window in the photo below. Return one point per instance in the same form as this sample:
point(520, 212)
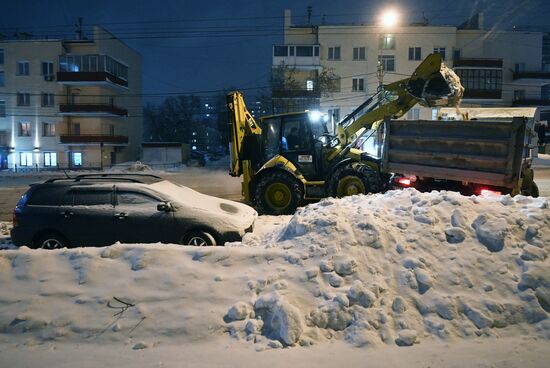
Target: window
point(295, 134)
point(415, 53)
point(23, 99)
point(24, 129)
point(48, 130)
point(309, 85)
point(387, 42)
point(47, 99)
point(111, 129)
point(22, 68)
point(280, 50)
point(387, 62)
point(519, 67)
point(480, 79)
point(291, 51)
point(519, 94)
point(413, 114)
point(359, 53)
point(47, 196)
point(2, 109)
point(334, 114)
point(25, 158)
point(76, 158)
point(334, 53)
point(456, 54)
point(133, 198)
point(358, 85)
point(50, 159)
point(441, 52)
point(1, 56)
point(47, 68)
point(92, 198)
point(75, 129)
point(304, 51)
point(2, 79)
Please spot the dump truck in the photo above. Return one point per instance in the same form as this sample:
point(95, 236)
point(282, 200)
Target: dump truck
point(289, 159)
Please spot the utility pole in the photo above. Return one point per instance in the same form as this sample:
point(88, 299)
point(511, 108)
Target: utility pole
point(79, 31)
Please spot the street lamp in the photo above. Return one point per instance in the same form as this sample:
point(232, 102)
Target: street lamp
point(388, 19)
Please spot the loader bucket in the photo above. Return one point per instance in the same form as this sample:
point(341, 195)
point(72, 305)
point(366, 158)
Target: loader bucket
point(433, 84)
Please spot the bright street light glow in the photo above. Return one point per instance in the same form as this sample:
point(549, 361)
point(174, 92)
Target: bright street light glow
point(390, 18)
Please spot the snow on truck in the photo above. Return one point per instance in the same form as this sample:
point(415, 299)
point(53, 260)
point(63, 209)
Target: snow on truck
point(289, 159)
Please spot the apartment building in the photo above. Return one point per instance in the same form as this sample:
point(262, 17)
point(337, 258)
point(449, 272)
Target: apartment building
point(497, 68)
point(69, 103)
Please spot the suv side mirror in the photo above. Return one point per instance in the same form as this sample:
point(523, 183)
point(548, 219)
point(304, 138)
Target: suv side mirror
point(164, 206)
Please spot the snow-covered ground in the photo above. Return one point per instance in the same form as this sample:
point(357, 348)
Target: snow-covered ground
point(402, 278)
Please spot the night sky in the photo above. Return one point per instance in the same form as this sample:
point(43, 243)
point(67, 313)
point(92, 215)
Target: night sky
point(199, 46)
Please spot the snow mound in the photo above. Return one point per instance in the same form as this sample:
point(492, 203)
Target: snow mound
point(399, 268)
point(404, 266)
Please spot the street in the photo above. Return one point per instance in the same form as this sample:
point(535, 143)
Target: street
point(213, 182)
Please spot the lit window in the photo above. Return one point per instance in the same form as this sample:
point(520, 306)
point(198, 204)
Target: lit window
point(387, 42)
point(24, 129)
point(25, 158)
point(309, 85)
point(77, 158)
point(50, 159)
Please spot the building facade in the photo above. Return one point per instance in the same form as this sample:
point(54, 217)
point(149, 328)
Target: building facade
point(69, 104)
point(497, 68)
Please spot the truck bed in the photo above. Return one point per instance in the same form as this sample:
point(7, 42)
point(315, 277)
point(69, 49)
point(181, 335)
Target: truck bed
point(489, 152)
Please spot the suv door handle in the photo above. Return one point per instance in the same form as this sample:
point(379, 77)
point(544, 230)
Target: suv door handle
point(66, 214)
point(121, 215)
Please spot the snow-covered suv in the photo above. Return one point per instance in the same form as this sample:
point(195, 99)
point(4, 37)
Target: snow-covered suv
point(101, 209)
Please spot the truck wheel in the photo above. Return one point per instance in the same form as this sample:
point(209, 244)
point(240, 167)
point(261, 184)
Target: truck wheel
point(353, 178)
point(278, 194)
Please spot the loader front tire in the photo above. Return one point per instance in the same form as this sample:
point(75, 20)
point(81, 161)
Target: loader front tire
point(352, 179)
point(278, 194)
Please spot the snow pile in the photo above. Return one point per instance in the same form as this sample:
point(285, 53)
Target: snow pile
point(400, 268)
point(405, 266)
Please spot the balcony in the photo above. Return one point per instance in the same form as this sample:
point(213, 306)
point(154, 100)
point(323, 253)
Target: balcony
point(296, 93)
point(92, 70)
point(532, 78)
point(90, 79)
point(305, 56)
point(109, 140)
point(477, 63)
point(77, 109)
point(482, 94)
point(531, 102)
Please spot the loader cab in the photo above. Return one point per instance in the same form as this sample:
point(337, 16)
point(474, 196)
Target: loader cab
point(296, 136)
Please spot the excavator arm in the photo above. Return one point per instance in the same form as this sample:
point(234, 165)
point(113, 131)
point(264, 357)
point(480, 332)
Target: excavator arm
point(432, 84)
point(243, 128)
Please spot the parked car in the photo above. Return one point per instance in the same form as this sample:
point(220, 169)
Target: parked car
point(100, 209)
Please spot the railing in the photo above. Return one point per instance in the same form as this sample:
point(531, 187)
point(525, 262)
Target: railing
point(478, 63)
point(79, 108)
point(532, 75)
point(482, 94)
point(98, 138)
point(531, 102)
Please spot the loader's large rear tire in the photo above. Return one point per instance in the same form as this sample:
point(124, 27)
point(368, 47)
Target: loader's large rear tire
point(278, 194)
point(353, 178)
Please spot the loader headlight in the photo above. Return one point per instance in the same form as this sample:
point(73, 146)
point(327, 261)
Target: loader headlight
point(317, 116)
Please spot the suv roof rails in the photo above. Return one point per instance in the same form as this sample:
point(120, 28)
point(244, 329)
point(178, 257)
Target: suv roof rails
point(118, 177)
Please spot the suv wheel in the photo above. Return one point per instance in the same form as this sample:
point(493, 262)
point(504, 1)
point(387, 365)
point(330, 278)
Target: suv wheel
point(198, 238)
point(51, 241)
